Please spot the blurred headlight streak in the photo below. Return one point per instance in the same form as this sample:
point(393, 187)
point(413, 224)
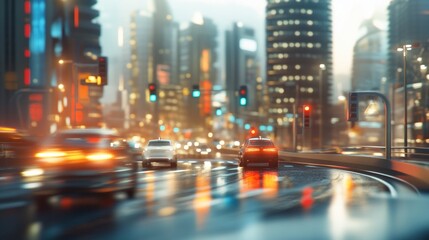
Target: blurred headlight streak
point(32, 172)
point(50, 154)
point(99, 156)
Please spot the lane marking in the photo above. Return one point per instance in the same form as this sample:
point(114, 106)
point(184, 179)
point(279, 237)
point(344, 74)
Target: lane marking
point(391, 188)
point(218, 168)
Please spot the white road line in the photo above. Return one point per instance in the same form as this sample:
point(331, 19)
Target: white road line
point(391, 188)
point(218, 168)
point(229, 174)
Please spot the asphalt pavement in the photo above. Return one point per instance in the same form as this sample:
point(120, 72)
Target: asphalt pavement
point(216, 199)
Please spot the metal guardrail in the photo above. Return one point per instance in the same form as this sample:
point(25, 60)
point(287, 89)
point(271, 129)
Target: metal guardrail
point(422, 153)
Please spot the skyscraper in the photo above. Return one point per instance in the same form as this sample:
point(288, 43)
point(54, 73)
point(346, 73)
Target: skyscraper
point(15, 73)
point(154, 54)
point(197, 60)
point(241, 66)
point(408, 25)
point(370, 54)
point(299, 65)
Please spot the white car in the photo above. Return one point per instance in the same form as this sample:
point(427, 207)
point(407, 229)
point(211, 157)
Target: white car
point(159, 151)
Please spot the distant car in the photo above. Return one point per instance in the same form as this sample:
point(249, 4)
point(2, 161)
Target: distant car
point(258, 152)
point(81, 161)
point(159, 151)
point(203, 151)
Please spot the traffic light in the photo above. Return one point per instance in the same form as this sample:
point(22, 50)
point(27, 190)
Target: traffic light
point(243, 95)
point(353, 110)
point(253, 132)
point(218, 111)
point(152, 92)
point(196, 93)
point(306, 116)
point(102, 70)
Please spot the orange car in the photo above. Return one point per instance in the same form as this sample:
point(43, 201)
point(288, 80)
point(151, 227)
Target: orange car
point(259, 152)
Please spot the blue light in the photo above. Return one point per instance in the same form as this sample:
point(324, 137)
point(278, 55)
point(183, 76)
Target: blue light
point(176, 129)
point(162, 128)
point(243, 101)
point(196, 93)
point(232, 118)
point(270, 128)
point(152, 98)
point(247, 126)
point(218, 112)
point(262, 128)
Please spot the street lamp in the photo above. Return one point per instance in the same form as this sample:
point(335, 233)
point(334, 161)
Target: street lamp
point(322, 67)
point(404, 49)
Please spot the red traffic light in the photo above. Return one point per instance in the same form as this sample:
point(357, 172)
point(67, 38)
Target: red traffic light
point(152, 87)
point(306, 108)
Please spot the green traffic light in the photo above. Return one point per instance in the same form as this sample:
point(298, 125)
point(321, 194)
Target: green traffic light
point(243, 101)
point(152, 98)
point(196, 93)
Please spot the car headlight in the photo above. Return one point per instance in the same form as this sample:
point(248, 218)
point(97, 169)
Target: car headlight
point(34, 172)
point(99, 157)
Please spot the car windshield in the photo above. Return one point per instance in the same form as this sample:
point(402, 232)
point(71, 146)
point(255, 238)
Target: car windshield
point(261, 143)
point(81, 140)
point(159, 143)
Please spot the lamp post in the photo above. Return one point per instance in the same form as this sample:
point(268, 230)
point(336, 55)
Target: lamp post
point(404, 48)
point(322, 67)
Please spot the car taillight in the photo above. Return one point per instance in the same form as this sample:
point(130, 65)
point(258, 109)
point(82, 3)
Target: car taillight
point(252, 149)
point(270, 150)
point(99, 156)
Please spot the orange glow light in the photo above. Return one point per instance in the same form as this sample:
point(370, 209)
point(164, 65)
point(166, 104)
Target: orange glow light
point(76, 16)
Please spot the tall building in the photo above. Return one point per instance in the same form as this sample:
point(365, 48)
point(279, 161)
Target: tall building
point(299, 67)
point(80, 52)
point(241, 66)
point(197, 61)
point(243, 69)
point(408, 25)
point(369, 73)
point(370, 55)
point(15, 73)
point(154, 54)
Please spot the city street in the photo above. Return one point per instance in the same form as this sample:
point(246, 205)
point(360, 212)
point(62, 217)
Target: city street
point(214, 199)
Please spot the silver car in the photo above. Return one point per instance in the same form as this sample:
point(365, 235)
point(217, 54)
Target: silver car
point(159, 151)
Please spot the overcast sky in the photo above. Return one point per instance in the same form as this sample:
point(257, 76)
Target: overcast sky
point(347, 17)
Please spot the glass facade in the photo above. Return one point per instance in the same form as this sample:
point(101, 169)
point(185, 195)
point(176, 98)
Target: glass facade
point(299, 62)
